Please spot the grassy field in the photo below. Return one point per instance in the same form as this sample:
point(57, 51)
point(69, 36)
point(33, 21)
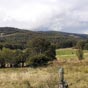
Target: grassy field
point(76, 73)
point(69, 53)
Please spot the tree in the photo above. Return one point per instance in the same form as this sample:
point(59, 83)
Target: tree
point(19, 58)
point(41, 48)
point(39, 45)
point(80, 50)
point(80, 54)
point(2, 60)
point(80, 44)
point(8, 56)
point(86, 46)
point(51, 53)
point(38, 60)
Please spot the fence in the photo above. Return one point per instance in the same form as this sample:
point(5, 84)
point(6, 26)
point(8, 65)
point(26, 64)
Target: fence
point(62, 82)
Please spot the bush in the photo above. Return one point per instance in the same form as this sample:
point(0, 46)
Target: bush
point(38, 60)
point(80, 54)
point(86, 46)
point(51, 53)
point(80, 44)
point(41, 51)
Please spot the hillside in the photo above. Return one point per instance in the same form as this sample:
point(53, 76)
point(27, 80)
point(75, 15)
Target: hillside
point(10, 31)
point(16, 36)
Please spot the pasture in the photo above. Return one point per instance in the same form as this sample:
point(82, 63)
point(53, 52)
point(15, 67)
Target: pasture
point(69, 53)
point(76, 73)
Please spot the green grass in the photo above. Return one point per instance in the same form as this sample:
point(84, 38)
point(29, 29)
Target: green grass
point(65, 51)
point(69, 53)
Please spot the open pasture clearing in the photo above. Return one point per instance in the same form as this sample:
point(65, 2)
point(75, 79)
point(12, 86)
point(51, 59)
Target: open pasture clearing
point(69, 53)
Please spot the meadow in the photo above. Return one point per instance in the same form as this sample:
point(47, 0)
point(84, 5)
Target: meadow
point(69, 53)
point(76, 73)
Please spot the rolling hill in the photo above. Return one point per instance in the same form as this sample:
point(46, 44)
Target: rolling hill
point(10, 31)
point(16, 36)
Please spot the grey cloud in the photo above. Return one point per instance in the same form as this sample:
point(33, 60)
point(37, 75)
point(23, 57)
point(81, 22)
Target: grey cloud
point(60, 15)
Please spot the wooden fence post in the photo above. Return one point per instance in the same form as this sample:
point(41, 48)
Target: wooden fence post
point(62, 82)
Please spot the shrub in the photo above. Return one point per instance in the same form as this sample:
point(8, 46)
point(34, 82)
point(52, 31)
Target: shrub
point(80, 54)
point(86, 46)
point(80, 44)
point(38, 60)
point(41, 51)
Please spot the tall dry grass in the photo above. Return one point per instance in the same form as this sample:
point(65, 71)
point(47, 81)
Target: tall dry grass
point(76, 74)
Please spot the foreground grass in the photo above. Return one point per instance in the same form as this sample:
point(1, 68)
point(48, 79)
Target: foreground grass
point(76, 74)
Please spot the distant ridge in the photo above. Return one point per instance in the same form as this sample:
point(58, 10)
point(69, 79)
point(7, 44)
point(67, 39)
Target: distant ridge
point(16, 31)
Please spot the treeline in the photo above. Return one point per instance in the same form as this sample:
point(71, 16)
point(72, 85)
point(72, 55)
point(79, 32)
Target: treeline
point(23, 45)
point(64, 43)
point(19, 43)
point(12, 46)
point(70, 43)
point(38, 52)
point(83, 44)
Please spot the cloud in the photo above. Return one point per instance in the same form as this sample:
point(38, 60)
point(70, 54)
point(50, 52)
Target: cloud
point(35, 13)
point(58, 15)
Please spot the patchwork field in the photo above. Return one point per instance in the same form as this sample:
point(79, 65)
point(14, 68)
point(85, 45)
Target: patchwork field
point(76, 73)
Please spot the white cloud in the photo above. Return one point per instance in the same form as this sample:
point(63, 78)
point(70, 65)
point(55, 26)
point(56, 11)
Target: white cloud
point(60, 15)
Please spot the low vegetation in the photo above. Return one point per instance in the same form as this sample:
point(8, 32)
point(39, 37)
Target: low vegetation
point(76, 74)
point(38, 52)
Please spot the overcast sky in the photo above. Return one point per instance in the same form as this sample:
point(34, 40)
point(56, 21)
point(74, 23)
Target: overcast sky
point(58, 15)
